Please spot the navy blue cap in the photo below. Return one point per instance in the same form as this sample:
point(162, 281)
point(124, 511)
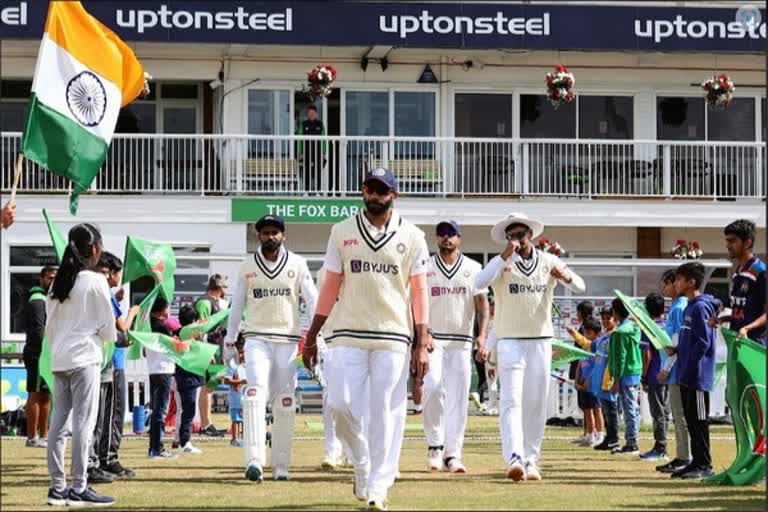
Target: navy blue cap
point(274, 220)
point(385, 176)
point(451, 223)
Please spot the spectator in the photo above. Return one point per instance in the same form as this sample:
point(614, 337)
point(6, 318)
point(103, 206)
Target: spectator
point(625, 362)
point(584, 310)
point(8, 215)
point(161, 368)
point(588, 401)
point(235, 379)
point(668, 374)
point(658, 393)
point(600, 382)
point(748, 284)
point(38, 402)
point(311, 151)
point(206, 306)
point(696, 372)
point(187, 387)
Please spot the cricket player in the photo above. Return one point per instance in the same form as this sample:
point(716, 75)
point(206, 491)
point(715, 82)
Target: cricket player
point(523, 280)
point(454, 302)
point(268, 286)
point(376, 264)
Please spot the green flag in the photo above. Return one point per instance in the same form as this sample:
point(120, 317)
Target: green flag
point(195, 360)
point(746, 399)
point(658, 336)
point(59, 241)
point(44, 363)
point(142, 323)
point(215, 372)
point(188, 331)
point(563, 353)
point(146, 258)
point(719, 372)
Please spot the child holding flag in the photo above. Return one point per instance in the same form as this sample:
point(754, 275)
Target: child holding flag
point(600, 383)
point(593, 416)
point(658, 393)
point(161, 368)
point(80, 318)
point(187, 387)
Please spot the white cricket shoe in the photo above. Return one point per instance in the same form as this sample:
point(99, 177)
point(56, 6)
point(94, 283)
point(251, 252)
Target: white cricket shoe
point(254, 472)
point(474, 397)
point(435, 459)
point(378, 504)
point(191, 450)
point(398, 476)
point(454, 465)
point(516, 470)
point(280, 473)
point(360, 485)
point(329, 464)
point(532, 471)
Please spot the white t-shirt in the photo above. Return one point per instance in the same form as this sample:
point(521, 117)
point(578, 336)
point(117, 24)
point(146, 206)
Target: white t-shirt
point(76, 327)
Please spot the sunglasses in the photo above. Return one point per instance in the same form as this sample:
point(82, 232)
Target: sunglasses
point(376, 188)
point(446, 232)
point(516, 235)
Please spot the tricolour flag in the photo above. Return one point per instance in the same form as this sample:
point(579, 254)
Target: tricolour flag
point(84, 74)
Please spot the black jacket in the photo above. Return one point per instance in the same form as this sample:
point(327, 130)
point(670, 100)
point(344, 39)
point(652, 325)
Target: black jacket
point(34, 322)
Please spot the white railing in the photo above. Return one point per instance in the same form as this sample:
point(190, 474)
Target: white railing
point(431, 166)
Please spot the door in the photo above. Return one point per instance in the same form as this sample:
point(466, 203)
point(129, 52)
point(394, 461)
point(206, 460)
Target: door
point(180, 152)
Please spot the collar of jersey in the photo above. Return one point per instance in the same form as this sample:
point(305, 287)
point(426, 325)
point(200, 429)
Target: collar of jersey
point(444, 269)
point(376, 242)
point(263, 264)
point(528, 266)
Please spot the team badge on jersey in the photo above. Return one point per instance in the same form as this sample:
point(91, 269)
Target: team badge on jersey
point(291, 274)
point(401, 248)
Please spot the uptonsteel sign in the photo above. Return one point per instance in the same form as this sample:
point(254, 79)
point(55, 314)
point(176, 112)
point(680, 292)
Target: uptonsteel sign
point(415, 25)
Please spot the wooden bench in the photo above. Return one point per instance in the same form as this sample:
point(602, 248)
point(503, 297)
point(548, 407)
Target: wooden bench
point(273, 172)
point(414, 173)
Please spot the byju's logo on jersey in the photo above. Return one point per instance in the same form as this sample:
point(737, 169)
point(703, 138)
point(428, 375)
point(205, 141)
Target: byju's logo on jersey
point(515, 288)
point(437, 291)
point(264, 293)
point(359, 266)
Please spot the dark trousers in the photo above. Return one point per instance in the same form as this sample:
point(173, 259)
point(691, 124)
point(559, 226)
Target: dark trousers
point(119, 391)
point(188, 407)
point(611, 418)
point(658, 403)
point(482, 385)
point(159, 390)
point(312, 166)
point(102, 431)
point(696, 408)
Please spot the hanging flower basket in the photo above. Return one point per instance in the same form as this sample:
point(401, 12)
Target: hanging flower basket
point(687, 250)
point(718, 91)
point(560, 86)
point(545, 245)
point(320, 81)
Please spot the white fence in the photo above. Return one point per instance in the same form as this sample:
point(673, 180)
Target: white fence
point(428, 166)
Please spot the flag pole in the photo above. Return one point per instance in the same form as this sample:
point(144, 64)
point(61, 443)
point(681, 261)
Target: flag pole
point(16, 178)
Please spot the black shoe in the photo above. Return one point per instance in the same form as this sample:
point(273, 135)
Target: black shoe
point(56, 498)
point(88, 498)
point(672, 466)
point(211, 431)
point(698, 473)
point(628, 449)
point(118, 470)
point(607, 445)
point(680, 472)
point(99, 476)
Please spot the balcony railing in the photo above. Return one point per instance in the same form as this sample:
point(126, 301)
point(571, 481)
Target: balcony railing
point(427, 166)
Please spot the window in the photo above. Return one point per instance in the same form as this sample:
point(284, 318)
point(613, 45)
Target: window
point(367, 113)
point(538, 119)
point(483, 115)
point(179, 91)
point(735, 123)
point(414, 114)
point(765, 121)
point(679, 118)
point(137, 117)
point(24, 271)
point(13, 107)
point(606, 117)
point(269, 112)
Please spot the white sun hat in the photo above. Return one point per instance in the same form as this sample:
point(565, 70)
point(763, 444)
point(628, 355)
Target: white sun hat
point(498, 232)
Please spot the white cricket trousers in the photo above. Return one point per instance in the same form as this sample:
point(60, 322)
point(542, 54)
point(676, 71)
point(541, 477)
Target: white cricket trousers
point(333, 447)
point(370, 384)
point(524, 367)
point(445, 395)
point(270, 367)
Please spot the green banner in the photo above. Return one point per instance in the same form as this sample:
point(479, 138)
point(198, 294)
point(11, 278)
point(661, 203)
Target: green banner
point(142, 321)
point(563, 353)
point(58, 239)
point(195, 359)
point(301, 210)
point(658, 336)
point(154, 259)
point(214, 373)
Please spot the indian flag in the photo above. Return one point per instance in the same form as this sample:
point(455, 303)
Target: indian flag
point(84, 74)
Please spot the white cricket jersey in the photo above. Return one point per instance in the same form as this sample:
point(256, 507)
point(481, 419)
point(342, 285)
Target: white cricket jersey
point(451, 292)
point(523, 290)
point(374, 306)
point(270, 292)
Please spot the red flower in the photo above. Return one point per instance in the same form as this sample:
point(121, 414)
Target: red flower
point(680, 242)
point(550, 78)
point(561, 69)
point(695, 245)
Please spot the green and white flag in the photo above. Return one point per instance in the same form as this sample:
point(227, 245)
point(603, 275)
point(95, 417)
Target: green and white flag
point(188, 331)
point(142, 321)
point(196, 359)
point(563, 353)
point(148, 258)
point(658, 336)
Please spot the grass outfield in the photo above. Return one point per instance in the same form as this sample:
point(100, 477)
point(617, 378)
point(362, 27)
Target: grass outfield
point(574, 478)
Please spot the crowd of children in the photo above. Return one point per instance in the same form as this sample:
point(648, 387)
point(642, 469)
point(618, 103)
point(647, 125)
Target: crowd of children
point(677, 378)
